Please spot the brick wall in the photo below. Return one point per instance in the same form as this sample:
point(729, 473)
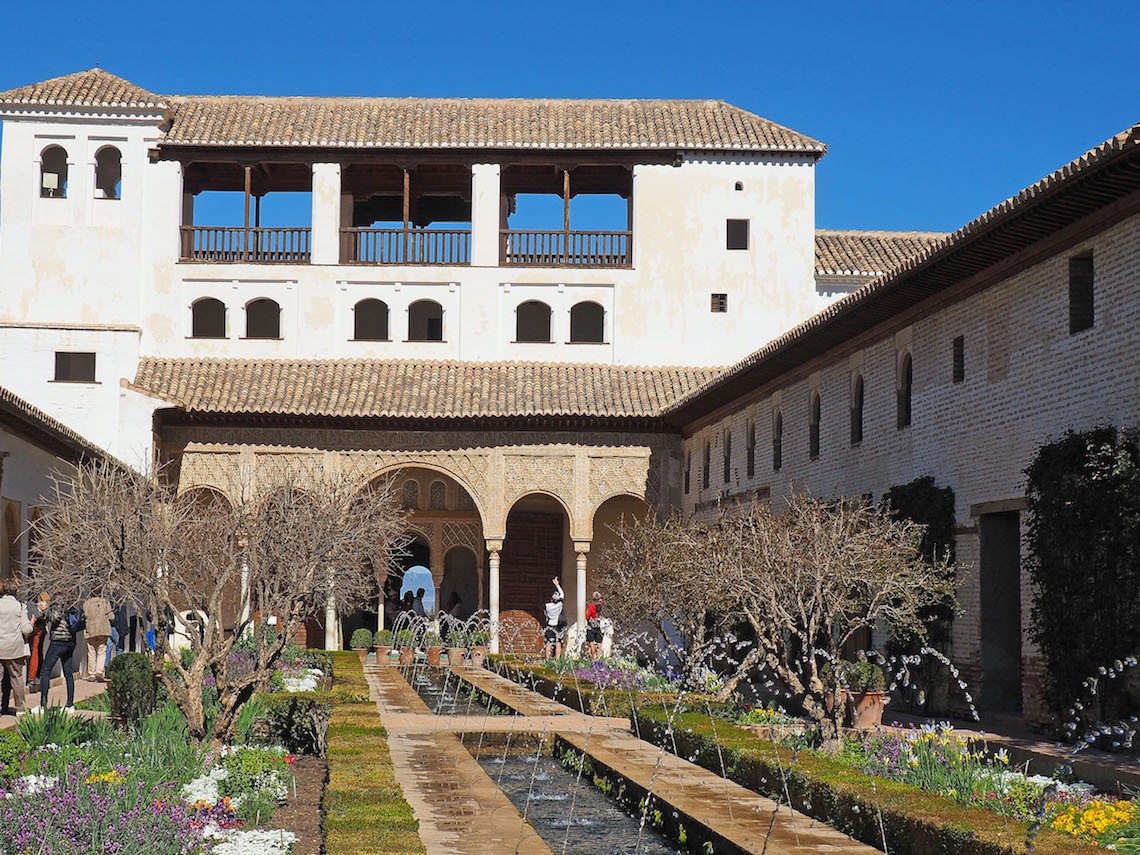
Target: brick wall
point(531, 557)
point(1027, 380)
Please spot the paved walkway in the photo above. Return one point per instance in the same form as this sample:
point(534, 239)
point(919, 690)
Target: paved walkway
point(57, 695)
point(461, 810)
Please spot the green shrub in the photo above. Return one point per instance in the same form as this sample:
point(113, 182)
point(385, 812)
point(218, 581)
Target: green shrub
point(361, 639)
point(299, 721)
point(251, 770)
point(12, 750)
point(53, 726)
point(456, 638)
point(432, 639)
point(405, 638)
point(479, 638)
point(133, 689)
point(256, 808)
point(384, 638)
point(859, 677)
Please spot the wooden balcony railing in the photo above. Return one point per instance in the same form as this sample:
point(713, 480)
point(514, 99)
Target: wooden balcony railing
point(405, 246)
point(530, 248)
point(237, 244)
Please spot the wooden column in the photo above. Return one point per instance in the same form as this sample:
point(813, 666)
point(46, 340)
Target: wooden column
point(248, 185)
point(407, 209)
point(565, 216)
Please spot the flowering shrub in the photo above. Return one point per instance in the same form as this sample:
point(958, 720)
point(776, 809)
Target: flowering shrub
point(613, 673)
point(1096, 820)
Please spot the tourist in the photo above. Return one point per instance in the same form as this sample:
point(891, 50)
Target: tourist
point(62, 626)
point(97, 615)
point(555, 622)
point(408, 603)
point(418, 603)
point(15, 627)
point(391, 608)
point(594, 625)
point(35, 643)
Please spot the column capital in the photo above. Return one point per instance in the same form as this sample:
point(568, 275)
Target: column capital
point(581, 546)
point(494, 545)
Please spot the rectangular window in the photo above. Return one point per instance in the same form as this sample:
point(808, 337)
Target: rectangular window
point(74, 367)
point(688, 471)
point(959, 359)
point(727, 456)
point(1080, 294)
point(705, 470)
point(737, 234)
point(718, 303)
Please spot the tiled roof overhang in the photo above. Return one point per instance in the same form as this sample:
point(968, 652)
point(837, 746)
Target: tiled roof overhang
point(40, 429)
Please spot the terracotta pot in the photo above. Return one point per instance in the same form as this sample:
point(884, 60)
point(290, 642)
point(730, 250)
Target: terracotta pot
point(478, 656)
point(433, 654)
point(362, 652)
point(456, 655)
point(407, 655)
point(864, 709)
point(383, 655)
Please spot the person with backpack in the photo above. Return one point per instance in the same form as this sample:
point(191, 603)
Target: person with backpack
point(555, 622)
point(63, 624)
point(594, 625)
point(97, 615)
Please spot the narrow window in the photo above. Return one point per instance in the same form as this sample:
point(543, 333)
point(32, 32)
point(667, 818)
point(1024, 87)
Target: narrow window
point(1080, 294)
point(410, 497)
point(737, 232)
point(959, 359)
point(437, 496)
point(532, 321)
point(718, 303)
point(688, 470)
point(857, 409)
point(262, 319)
point(726, 446)
point(905, 390)
point(53, 173)
point(708, 464)
point(425, 321)
point(370, 320)
point(777, 442)
point(108, 173)
point(74, 367)
point(208, 318)
point(813, 427)
point(739, 185)
point(751, 449)
point(587, 323)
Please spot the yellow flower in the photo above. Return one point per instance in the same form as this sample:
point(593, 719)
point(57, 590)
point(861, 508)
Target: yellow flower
point(1095, 818)
point(111, 777)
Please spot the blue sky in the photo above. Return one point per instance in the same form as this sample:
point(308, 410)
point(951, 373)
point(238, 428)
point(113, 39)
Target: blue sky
point(933, 112)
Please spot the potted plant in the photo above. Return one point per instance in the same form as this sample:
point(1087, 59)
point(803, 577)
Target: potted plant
point(434, 645)
point(406, 641)
point(361, 642)
point(478, 641)
point(864, 685)
point(383, 641)
point(456, 647)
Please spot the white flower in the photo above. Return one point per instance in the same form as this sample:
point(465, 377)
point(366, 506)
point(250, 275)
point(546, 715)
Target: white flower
point(233, 841)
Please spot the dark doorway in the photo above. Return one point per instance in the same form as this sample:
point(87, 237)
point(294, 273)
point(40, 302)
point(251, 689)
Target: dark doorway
point(531, 557)
point(1000, 577)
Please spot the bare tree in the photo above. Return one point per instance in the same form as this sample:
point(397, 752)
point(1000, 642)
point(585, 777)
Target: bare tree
point(224, 563)
point(663, 572)
point(809, 579)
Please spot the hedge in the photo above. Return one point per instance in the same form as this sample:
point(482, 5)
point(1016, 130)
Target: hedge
point(914, 822)
point(364, 810)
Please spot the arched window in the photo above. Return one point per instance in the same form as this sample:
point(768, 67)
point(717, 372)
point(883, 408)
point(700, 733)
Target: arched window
point(262, 319)
point(726, 448)
point(208, 318)
point(53, 173)
point(108, 173)
point(739, 185)
point(857, 409)
point(707, 465)
point(813, 427)
point(532, 321)
point(425, 321)
point(370, 320)
point(588, 323)
point(777, 441)
point(437, 496)
point(905, 390)
point(410, 497)
point(751, 449)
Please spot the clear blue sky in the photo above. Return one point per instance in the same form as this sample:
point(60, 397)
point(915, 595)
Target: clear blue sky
point(933, 112)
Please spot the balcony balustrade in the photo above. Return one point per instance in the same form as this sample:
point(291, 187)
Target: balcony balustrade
point(405, 246)
point(235, 244)
point(538, 248)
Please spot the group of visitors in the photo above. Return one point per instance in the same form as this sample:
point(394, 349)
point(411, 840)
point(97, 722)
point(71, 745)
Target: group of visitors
point(554, 630)
point(36, 637)
point(394, 605)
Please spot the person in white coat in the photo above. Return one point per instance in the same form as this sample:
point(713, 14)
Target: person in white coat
point(15, 627)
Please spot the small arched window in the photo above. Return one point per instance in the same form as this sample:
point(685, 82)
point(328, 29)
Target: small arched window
point(108, 173)
point(777, 441)
point(813, 427)
point(739, 185)
point(905, 390)
point(53, 173)
point(726, 449)
point(370, 320)
point(425, 321)
point(208, 318)
point(410, 496)
point(262, 319)
point(707, 464)
point(857, 409)
point(437, 496)
point(532, 321)
point(751, 449)
point(587, 323)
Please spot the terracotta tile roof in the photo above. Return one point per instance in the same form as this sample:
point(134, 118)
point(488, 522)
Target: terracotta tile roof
point(849, 252)
point(40, 429)
point(92, 88)
point(414, 123)
point(406, 389)
point(1096, 180)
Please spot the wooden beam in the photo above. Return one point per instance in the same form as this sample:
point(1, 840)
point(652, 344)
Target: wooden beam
point(407, 208)
point(248, 184)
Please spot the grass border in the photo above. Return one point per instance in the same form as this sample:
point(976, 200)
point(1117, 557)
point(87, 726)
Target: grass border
point(363, 811)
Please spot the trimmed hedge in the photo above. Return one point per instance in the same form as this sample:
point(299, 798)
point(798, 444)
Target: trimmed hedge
point(364, 810)
point(914, 822)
